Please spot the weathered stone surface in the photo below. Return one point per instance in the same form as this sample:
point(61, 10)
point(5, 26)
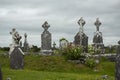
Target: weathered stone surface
point(98, 39)
point(15, 40)
point(118, 63)
point(46, 39)
point(15, 53)
point(17, 59)
point(15, 37)
point(97, 24)
point(81, 39)
point(81, 23)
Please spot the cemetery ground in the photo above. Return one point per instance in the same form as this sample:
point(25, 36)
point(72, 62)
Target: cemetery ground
point(55, 68)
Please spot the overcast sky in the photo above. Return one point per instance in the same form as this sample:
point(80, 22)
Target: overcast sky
point(27, 16)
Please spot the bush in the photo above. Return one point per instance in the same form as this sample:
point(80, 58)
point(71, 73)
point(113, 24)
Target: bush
point(4, 48)
point(91, 49)
point(73, 53)
point(91, 63)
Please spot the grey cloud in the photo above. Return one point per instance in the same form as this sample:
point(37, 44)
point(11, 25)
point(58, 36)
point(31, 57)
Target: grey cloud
point(28, 16)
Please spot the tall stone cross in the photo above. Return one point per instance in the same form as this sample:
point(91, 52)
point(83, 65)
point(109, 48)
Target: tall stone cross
point(97, 24)
point(81, 23)
point(46, 37)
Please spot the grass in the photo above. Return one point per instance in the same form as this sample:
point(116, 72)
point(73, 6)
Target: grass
point(44, 75)
point(55, 68)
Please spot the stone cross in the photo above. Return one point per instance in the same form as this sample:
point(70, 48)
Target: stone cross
point(45, 26)
point(81, 23)
point(118, 62)
point(97, 24)
point(46, 39)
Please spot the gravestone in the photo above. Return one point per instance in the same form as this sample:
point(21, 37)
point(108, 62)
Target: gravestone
point(117, 77)
point(16, 53)
point(46, 40)
point(16, 59)
point(26, 45)
point(98, 39)
point(63, 43)
point(0, 73)
point(81, 39)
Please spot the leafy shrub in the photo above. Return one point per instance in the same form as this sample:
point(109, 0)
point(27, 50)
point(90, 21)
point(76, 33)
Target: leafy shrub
point(91, 62)
point(73, 53)
point(91, 49)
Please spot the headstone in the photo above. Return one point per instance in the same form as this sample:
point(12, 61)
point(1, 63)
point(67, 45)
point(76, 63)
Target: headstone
point(26, 45)
point(46, 40)
point(16, 53)
point(0, 73)
point(117, 77)
point(16, 59)
point(81, 39)
point(63, 43)
point(98, 39)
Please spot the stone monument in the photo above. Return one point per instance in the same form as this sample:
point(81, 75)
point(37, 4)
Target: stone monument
point(81, 39)
point(98, 39)
point(46, 48)
point(63, 43)
point(15, 53)
point(26, 45)
point(117, 77)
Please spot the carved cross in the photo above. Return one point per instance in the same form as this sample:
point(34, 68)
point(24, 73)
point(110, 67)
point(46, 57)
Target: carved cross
point(81, 23)
point(97, 24)
point(45, 25)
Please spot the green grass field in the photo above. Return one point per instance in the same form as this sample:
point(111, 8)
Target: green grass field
point(55, 68)
point(44, 75)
